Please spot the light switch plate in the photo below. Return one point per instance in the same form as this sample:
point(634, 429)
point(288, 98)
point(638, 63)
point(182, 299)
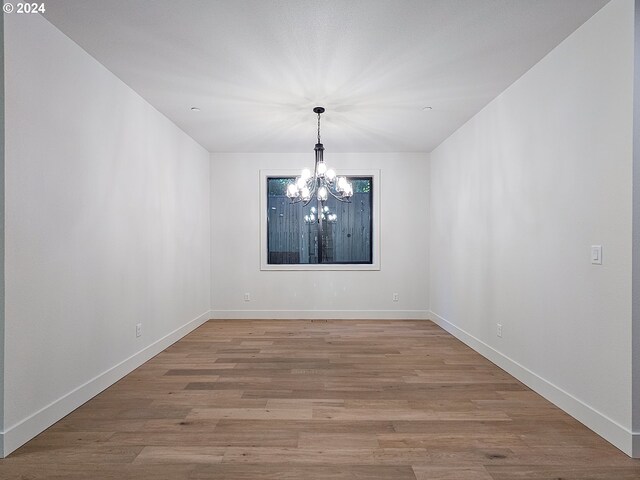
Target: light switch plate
point(596, 254)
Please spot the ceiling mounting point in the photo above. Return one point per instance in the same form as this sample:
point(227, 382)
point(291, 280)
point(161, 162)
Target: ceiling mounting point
point(318, 110)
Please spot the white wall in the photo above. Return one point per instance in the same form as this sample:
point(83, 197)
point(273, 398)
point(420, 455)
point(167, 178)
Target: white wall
point(636, 231)
point(334, 294)
point(107, 225)
point(2, 237)
point(518, 196)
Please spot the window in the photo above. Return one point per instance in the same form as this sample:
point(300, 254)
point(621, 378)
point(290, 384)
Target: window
point(336, 236)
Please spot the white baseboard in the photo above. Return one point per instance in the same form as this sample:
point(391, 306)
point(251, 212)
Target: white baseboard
point(321, 314)
point(23, 431)
point(607, 428)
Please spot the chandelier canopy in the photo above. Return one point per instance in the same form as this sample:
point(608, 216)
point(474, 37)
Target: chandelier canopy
point(322, 183)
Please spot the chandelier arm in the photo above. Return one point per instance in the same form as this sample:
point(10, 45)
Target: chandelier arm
point(314, 186)
point(312, 192)
point(312, 189)
point(340, 199)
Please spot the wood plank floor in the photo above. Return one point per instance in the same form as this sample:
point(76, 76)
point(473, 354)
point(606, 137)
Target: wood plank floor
point(337, 400)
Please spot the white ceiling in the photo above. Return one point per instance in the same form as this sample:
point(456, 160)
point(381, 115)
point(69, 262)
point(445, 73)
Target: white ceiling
point(256, 68)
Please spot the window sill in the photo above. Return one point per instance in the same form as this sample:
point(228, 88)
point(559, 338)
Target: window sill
point(353, 267)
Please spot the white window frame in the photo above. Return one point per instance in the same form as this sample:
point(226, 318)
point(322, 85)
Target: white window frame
point(375, 234)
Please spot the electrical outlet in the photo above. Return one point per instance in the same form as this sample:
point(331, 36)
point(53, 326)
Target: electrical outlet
point(396, 297)
point(247, 297)
point(499, 329)
point(138, 329)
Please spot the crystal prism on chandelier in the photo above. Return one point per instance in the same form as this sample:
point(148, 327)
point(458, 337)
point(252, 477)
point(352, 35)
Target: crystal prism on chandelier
point(322, 183)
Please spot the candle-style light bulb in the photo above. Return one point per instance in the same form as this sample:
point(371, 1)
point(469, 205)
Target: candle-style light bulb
point(292, 191)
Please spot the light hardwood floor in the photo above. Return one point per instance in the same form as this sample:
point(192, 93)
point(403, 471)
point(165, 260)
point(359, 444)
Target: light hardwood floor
point(337, 400)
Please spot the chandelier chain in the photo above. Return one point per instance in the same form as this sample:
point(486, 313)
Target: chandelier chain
point(319, 128)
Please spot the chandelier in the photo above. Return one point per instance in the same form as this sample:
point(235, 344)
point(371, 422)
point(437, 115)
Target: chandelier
point(322, 183)
point(325, 214)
